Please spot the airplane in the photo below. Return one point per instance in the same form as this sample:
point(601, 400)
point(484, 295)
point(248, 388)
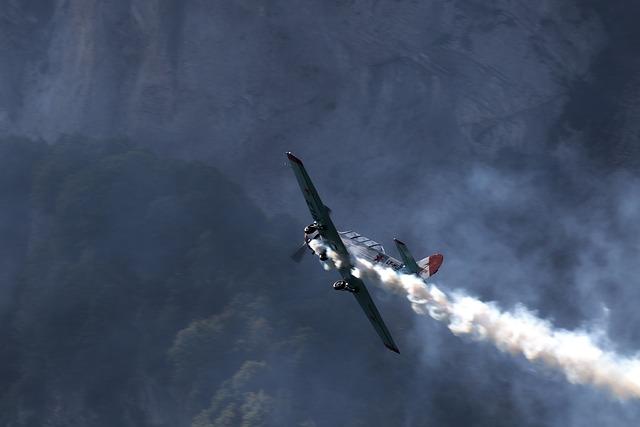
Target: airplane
point(349, 243)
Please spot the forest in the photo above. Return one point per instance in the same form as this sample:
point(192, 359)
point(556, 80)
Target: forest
point(133, 285)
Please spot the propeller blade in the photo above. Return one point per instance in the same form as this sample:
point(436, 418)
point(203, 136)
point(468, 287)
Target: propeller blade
point(299, 253)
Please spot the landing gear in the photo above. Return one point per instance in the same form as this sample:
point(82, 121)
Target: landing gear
point(343, 285)
point(339, 285)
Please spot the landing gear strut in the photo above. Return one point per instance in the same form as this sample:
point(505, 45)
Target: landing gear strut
point(343, 285)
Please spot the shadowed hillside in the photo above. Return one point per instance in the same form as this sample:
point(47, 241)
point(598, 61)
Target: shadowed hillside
point(109, 251)
point(144, 291)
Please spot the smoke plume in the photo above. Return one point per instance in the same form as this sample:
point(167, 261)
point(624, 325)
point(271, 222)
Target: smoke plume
point(578, 354)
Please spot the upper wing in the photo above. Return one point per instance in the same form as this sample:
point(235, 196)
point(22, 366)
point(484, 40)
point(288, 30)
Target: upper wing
point(369, 308)
point(319, 211)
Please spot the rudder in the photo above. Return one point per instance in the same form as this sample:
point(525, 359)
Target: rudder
point(430, 265)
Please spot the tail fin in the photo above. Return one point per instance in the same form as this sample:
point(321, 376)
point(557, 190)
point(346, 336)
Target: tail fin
point(408, 260)
point(430, 265)
point(426, 267)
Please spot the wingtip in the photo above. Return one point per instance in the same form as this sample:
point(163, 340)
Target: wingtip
point(293, 158)
point(394, 349)
point(398, 241)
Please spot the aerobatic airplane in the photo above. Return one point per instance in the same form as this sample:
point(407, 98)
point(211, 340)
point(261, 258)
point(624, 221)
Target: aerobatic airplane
point(347, 244)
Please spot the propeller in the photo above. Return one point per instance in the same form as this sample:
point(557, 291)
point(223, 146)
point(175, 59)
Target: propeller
point(299, 253)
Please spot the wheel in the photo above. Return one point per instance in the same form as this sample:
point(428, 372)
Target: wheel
point(340, 285)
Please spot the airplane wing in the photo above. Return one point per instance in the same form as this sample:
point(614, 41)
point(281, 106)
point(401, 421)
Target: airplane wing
point(320, 214)
point(369, 308)
point(319, 211)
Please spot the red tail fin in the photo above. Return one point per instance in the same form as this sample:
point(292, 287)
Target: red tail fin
point(430, 265)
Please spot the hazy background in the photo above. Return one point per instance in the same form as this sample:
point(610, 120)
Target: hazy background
point(147, 212)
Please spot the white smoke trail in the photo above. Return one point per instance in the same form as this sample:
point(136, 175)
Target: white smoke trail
point(575, 353)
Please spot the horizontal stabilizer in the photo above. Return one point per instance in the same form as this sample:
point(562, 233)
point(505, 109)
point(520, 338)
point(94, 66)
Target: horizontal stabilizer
point(409, 262)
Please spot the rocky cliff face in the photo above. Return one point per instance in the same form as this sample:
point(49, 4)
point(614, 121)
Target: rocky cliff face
point(204, 78)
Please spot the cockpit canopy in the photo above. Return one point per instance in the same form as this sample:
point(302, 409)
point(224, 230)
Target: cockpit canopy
point(364, 241)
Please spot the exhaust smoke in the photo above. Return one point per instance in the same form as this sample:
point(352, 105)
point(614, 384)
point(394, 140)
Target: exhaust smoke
point(575, 353)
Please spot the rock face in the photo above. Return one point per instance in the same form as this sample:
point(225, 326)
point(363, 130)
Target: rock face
point(251, 75)
point(436, 83)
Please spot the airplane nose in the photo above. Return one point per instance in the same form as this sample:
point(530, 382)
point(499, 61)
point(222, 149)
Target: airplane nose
point(435, 261)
